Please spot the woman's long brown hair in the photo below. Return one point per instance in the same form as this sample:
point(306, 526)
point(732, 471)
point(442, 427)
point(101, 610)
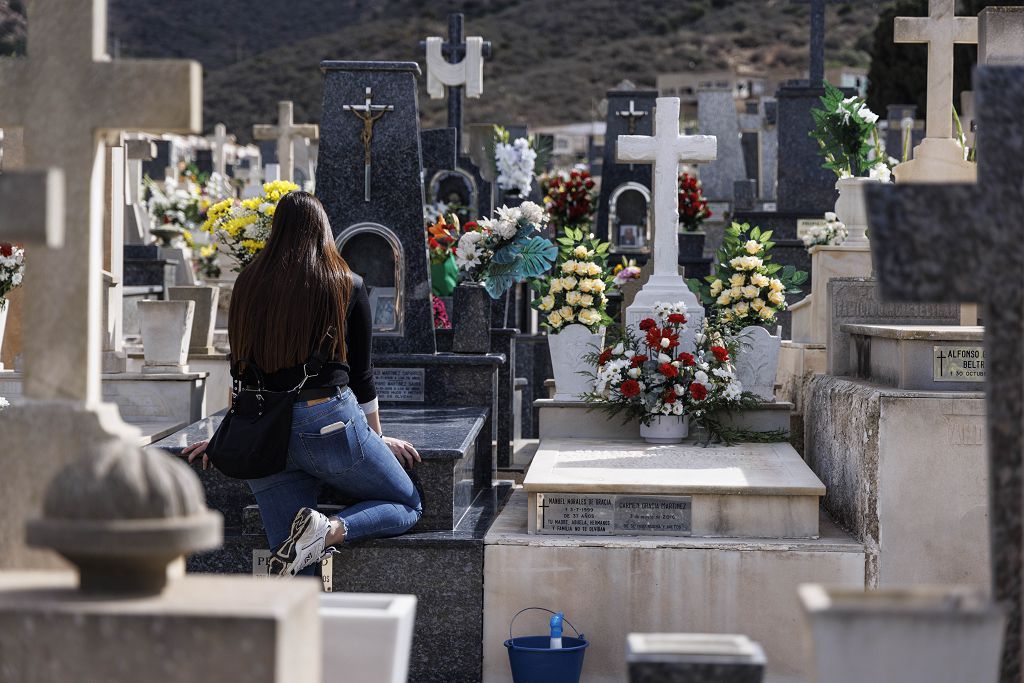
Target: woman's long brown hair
point(294, 292)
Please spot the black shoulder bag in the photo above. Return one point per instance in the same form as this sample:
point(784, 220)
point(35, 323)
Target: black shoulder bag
point(252, 440)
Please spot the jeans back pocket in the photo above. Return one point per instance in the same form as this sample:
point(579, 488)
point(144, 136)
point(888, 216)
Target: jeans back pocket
point(333, 453)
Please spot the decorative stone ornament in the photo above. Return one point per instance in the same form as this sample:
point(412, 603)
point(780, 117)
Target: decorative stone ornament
point(757, 361)
point(166, 333)
point(121, 516)
point(568, 348)
point(469, 71)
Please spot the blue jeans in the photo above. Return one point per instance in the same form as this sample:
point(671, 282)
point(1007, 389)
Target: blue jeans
point(354, 460)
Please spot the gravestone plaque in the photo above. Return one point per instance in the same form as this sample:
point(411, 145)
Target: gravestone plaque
point(607, 515)
point(630, 112)
point(400, 384)
point(369, 177)
point(958, 363)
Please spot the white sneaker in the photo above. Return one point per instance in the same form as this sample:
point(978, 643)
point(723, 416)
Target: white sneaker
point(305, 545)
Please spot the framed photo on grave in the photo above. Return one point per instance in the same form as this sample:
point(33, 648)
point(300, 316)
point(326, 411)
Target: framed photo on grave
point(629, 218)
point(374, 252)
point(382, 308)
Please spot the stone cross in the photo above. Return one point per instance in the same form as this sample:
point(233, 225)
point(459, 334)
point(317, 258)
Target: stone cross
point(941, 30)
point(632, 116)
point(369, 113)
point(665, 150)
point(284, 132)
point(219, 145)
point(64, 95)
point(910, 239)
point(468, 54)
point(816, 69)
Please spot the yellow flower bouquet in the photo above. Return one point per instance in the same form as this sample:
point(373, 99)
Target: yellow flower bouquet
point(243, 227)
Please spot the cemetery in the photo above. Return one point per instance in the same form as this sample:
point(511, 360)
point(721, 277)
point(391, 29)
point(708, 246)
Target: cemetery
point(690, 374)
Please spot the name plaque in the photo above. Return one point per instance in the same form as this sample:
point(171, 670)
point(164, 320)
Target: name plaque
point(261, 560)
point(805, 225)
point(958, 363)
point(400, 384)
point(614, 514)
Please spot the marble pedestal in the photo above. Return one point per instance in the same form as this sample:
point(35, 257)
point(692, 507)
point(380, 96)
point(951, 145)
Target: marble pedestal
point(218, 377)
point(199, 629)
point(620, 487)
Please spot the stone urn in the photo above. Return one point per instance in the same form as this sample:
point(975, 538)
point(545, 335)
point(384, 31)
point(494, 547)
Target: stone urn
point(666, 429)
point(568, 347)
point(912, 635)
point(166, 333)
point(757, 361)
point(205, 317)
point(691, 245)
point(226, 286)
point(851, 209)
point(471, 319)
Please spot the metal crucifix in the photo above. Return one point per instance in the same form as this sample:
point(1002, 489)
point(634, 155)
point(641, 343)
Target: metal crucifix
point(365, 113)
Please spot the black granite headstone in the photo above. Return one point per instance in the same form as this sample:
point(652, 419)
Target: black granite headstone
point(630, 112)
point(816, 68)
point(268, 151)
point(204, 161)
point(156, 168)
point(443, 181)
point(369, 177)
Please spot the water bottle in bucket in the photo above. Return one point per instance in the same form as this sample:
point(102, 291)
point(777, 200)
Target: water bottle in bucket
point(551, 658)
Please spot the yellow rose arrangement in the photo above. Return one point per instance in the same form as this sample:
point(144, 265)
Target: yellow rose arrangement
point(576, 290)
point(243, 227)
point(746, 287)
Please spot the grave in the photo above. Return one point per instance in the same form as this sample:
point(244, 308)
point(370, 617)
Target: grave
point(624, 204)
point(454, 65)
point(905, 220)
point(693, 657)
point(285, 133)
point(716, 111)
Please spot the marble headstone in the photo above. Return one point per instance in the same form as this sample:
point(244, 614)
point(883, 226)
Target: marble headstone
point(369, 177)
point(630, 112)
point(716, 111)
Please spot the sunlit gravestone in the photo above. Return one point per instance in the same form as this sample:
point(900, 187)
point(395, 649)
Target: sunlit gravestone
point(914, 260)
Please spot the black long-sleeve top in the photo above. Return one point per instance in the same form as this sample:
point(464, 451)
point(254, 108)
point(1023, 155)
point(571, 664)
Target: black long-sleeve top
point(356, 371)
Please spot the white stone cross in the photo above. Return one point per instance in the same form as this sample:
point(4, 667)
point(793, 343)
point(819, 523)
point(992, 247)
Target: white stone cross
point(666, 149)
point(219, 145)
point(468, 71)
point(65, 95)
point(285, 131)
point(632, 116)
point(941, 30)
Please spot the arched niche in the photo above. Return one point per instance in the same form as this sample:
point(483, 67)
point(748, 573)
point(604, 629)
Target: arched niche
point(375, 252)
point(454, 186)
point(629, 218)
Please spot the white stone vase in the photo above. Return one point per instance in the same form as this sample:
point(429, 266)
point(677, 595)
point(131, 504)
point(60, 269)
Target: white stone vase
point(370, 636)
point(568, 348)
point(757, 361)
point(851, 209)
point(166, 331)
point(913, 635)
point(5, 306)
point(666, 429)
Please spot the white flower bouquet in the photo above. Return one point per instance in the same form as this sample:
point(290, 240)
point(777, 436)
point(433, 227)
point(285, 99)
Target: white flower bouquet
point(515, 161)
point(12, 270)
point(832, 233)
point(507, 249)
point(576, 290)
point(847, 132)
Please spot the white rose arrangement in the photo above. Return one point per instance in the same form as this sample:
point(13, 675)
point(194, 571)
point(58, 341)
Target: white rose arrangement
point(12, 270)
point(576, 290)
point(514, 162)
point(509, 248)
point(832, 233)
point(746, 287)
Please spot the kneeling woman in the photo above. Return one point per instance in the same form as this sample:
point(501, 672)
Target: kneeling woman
point(298, 298)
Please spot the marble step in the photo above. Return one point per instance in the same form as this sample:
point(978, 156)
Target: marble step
point(625, 487)
point(451, 475)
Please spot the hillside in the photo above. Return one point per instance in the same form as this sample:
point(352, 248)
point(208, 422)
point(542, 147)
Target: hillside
point(552, 61)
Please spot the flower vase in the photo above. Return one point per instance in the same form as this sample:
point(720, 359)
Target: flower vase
point(757, 361)
point(851, 209)
point(5, 306)
point(568, 350)
point(666, 429)
point(471, 319)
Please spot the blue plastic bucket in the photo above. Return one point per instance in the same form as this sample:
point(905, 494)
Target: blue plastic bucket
point(533, 661)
